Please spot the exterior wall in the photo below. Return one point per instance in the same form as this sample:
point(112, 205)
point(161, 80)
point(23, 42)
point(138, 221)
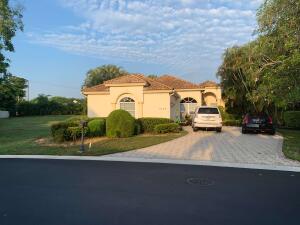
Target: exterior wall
point(148, 104)
point(193, 94)
point(98, 105)
point(213, 96)
point(157, 105)
point(175, 107)
point(134, 92)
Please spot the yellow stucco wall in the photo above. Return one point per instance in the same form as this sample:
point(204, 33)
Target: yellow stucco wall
point(98, 105)
point(213, 96)
point(147, 104)
point(156, 105)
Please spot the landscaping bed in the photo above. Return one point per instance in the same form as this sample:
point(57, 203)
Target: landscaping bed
point(32, 136)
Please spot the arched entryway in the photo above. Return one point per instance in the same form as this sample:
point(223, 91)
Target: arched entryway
point(210, 99)
point(128, 104)
point(187, 105)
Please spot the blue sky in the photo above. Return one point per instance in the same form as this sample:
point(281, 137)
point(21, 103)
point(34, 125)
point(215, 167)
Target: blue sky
point(63, 39)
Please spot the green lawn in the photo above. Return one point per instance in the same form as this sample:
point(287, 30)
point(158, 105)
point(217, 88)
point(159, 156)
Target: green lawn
point(19, 136)
point(291, 143)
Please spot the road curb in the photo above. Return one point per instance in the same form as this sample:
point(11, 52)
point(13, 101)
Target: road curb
point(164, 161)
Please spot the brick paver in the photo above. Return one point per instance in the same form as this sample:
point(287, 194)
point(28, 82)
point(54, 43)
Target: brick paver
point(229, 146)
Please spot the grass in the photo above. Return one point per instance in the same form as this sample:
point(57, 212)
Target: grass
point(291, 143)
point(20, 136)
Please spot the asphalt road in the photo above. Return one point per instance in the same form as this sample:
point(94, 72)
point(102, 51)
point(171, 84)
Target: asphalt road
point(57, 192)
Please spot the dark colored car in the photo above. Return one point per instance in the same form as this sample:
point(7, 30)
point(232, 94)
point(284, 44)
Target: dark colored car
point(258, 123)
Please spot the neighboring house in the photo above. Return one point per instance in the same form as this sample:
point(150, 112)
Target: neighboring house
point(165, 96)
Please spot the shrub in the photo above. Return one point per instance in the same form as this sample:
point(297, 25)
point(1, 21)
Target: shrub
point(74, 133)
point(233, 123)
point(137, 127)
point(226, 116)
point(59, 131)
point(167, 128)
point(292, 119)
point(96, 127)
point(148, 124)
point(120, 123)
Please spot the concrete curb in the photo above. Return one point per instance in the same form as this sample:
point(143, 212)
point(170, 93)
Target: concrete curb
point(164, 161)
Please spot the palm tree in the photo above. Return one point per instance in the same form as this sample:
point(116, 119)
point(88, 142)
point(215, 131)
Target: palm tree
point(100, 74)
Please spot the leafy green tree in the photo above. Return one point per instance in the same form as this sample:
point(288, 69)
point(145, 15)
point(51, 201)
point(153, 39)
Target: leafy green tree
point(12, 90)
point(10, 23)
point(152, 76)
point(100, 74)
point(263, 75)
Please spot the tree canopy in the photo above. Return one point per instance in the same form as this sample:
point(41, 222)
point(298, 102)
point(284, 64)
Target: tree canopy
point(12, 90)
point(10, 23)
point(100, 74)
point(264, 75)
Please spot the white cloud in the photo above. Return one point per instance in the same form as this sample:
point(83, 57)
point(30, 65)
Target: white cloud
point(182, 34)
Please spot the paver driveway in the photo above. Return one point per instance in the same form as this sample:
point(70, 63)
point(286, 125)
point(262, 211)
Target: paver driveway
point(228, 146)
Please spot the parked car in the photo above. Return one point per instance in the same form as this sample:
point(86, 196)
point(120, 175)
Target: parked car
point(207, 117)
point(258, 123)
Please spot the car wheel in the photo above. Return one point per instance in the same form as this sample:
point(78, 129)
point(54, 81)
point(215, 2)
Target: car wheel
point(244, 131)
point(219, 130)
point(272, 132)
point(195, 129)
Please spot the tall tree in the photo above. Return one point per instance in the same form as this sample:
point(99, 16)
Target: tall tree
point(10, 23)
point(265, 74)
point(100, 74)
point(12, 90)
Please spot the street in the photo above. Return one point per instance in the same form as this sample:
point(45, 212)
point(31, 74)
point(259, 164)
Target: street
point(66, 192)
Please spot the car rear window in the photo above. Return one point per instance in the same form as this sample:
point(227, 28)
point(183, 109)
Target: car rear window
point(208, 111)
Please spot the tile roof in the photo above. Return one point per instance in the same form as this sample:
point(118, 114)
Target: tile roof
point(209, 83)
point(165, 82)
point(176, 83)
point(99, 87)
point(130, 78)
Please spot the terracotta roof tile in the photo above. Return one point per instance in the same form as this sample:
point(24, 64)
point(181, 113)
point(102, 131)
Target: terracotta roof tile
point(209, 83)
point(130, 78)
point(100, 87)
point(176, 83)
point(165, 82)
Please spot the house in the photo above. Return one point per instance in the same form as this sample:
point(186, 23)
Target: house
point(166, 96)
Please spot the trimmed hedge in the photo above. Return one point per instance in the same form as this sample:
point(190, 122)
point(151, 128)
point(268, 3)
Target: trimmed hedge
point(120, 124)
point(292, 119)
point(96, 127)
point(148, 124)
point(232, 123)
point(137, 127)
point(167, 128)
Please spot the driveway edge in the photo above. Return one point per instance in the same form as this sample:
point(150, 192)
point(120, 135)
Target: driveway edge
point(164, 161)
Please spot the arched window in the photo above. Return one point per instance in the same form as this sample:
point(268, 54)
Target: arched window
point(128, 104)
point(188, 105)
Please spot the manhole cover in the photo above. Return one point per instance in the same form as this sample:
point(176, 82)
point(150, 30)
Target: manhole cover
point(200, 181)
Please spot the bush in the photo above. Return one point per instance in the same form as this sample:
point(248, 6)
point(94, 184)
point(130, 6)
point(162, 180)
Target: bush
point(137, 127)
point(233, 123)
point(59, 131)
point(148, 124)
point(292, 119)
point(167, 128)
point(74, 133)
point(120, 123)
point(226, 116)
point(96, 127)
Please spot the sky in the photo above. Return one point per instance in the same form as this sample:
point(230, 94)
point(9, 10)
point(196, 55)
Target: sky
point(63, 39)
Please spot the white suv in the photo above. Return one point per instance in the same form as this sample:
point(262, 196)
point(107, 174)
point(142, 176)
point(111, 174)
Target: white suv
point(207, 117)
